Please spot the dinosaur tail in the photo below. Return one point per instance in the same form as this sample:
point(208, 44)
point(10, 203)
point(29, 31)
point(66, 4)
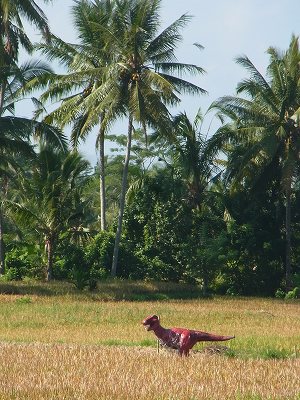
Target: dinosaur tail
point(210, 337)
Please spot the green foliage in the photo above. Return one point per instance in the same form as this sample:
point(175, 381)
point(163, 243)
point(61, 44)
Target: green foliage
point(296, 279)
point(11, 274)
point(12, 31)
point(156, 224)
point(264, 131)
point(80, 276)
point(226, 233)
point(247, 263)
point(293, 294)
point(72, 265)
point(274, 354)
point(24, 300)
point(23, 260)
point(280, 294)
point(176, 242)
point(99, 252)
point(17, 264)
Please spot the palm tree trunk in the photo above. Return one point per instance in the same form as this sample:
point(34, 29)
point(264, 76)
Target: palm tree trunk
point(288, 268)
point(122, 200)
point(102, 181)
point(2, 253)
point(2, 91)
point(50, 251)
point(4, 190)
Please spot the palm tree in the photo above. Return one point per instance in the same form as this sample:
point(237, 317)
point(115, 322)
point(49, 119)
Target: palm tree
point(266, 125)
point(190, 157)
point(122, 69)
point(12, 34)
point(144, 76)
point(51, 192)
point(16, 132)
point(85, 63)
point(197, 169)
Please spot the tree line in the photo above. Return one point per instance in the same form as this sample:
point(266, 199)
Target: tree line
point(219, 210)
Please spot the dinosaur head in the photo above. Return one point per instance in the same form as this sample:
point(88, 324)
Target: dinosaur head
point(150, 322)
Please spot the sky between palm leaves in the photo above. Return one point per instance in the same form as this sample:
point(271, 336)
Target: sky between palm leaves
point(226, 29)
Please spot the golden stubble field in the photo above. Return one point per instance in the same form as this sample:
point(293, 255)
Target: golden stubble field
point(39, 371)
point(71, 348)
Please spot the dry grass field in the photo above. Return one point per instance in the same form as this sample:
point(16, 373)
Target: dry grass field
point(39, 371)
point(75, 346)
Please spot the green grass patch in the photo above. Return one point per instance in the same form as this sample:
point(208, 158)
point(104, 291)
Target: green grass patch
point(275, 354)
point(31, 312)
point(24, 300)
point(107, 290)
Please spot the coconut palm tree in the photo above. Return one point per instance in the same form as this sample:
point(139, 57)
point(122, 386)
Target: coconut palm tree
point(144, 77)
point(18, 81)
point(16, 132)
point(85, 65)
point(50, 201)
point(189, 156)
point(12, 33)
point(123, 68)
point(265, 123)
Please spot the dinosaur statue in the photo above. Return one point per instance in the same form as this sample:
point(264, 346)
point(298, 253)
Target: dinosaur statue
point(181, 339)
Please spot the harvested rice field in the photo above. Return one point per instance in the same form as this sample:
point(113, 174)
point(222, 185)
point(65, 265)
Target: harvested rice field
point(81, 347)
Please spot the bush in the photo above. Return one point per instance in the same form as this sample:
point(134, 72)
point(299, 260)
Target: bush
point(279, 294)
point(23, 261)
point(12, 274)
point(293, 294)
point(17, 264)
point(80, 276)
point(72, 265)
point(99, 256)
point(296, 280)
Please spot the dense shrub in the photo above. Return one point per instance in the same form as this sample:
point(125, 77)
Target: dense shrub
point(99, 255)
point(71, 264)
point(23, 260)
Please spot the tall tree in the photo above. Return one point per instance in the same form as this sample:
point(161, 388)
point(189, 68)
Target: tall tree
point(124, 68)
point(12, 33)
point(16, 132)
point(144, 76)
point(266, 123)
point(197, 170)
point(50, 201)
point(79, 86)
point(190, 157)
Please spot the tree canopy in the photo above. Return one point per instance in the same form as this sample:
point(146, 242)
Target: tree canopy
point(177, 201)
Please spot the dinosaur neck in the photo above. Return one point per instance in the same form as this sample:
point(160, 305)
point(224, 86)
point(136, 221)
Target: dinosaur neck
point(160, 332)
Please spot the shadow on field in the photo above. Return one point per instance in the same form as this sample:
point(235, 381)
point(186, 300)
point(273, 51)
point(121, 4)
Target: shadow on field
point(107, 290)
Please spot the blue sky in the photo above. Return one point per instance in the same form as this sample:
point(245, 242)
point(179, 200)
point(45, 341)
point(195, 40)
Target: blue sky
point(226, 29)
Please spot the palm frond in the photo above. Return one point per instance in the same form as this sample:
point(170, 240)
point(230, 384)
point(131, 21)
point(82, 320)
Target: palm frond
point(183, 86)
point(179, 68)
point(168, 39)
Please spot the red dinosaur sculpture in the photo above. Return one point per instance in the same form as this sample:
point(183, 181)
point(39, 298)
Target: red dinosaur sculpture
point(179, 338)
